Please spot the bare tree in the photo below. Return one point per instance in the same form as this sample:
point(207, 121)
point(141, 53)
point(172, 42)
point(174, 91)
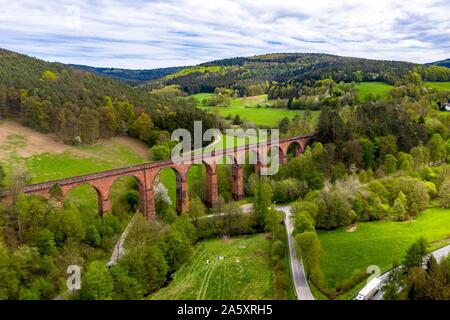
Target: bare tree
point(16, 180)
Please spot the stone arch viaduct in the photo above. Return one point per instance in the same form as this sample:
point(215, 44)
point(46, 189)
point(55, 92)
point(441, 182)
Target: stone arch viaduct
point(145, 175)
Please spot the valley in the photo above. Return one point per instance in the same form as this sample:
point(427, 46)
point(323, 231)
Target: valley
point(366, 185)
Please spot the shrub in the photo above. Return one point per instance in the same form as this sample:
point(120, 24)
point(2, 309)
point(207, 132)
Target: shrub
point(432, 190)
point(160, 152)
point(92, 236)
point(444, 194)
point(416, 193)
point(309, 246)
point(278, 249)
point(333, 210)
point(45, 242)
point(97, 282)
point(303, 222)
point(288, 190)
point(132, 197)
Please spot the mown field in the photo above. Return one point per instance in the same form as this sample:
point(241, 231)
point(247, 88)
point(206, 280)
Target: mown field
point(247, 109)
point(445, 86)
point(377, 243)
point(244, 273)
point(379, 88)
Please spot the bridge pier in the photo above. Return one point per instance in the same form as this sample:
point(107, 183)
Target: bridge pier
point(182, 194)
point(282, 158)
point(237, 183)
point(104, 205)
point(149, 210)
point(142, 200)
point(211, 189)
point(259, 166)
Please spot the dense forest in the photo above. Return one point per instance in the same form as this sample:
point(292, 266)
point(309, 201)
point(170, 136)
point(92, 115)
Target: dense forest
point(132, 77)
point(442, 63)
point(82, 107)
point(249, 75)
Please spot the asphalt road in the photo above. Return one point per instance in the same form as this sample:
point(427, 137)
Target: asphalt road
point(302, 290)
point(438, 254)
point(298, 272)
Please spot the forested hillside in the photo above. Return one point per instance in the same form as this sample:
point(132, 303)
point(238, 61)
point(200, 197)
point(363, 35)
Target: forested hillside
point(252, 75)
point(442, 63)
point(82, 107)
point(132, 77)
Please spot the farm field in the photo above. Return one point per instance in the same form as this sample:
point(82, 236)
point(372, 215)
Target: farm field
point(247, 109)
point(377, 243)
point(244, 273)
point(379, 88)
point(445, 86)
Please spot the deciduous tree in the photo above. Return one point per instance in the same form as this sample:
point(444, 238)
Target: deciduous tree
point(97, 282)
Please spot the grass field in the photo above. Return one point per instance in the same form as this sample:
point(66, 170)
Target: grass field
point(47, 159)
point(379, 88)
point(247, 109)
point(445, 86)
point(377, 243)
point(244, 273)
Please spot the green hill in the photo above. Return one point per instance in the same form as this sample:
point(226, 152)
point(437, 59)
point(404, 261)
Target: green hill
point(246, 73)
point(442, 63)
point(128, 76)
point(52, 97)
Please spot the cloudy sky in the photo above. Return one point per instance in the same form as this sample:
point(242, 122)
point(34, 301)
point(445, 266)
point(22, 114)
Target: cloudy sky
point(147, 34)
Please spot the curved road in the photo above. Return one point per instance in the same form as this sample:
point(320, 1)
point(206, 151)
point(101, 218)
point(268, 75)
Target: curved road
point(302, 290)
point(438, 254)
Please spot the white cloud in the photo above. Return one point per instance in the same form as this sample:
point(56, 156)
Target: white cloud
point(145, 34)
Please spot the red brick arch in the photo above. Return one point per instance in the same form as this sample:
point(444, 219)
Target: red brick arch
point(146, 174)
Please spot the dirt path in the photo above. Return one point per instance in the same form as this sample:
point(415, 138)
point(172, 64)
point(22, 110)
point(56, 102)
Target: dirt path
point(119, 249)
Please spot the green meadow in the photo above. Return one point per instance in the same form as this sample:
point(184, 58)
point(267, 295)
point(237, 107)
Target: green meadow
point(444, 86)
point(380, 89)
point(72, 161)
point(245, 272)
point(257, 108)
point(378, 243)
point(247, 108)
